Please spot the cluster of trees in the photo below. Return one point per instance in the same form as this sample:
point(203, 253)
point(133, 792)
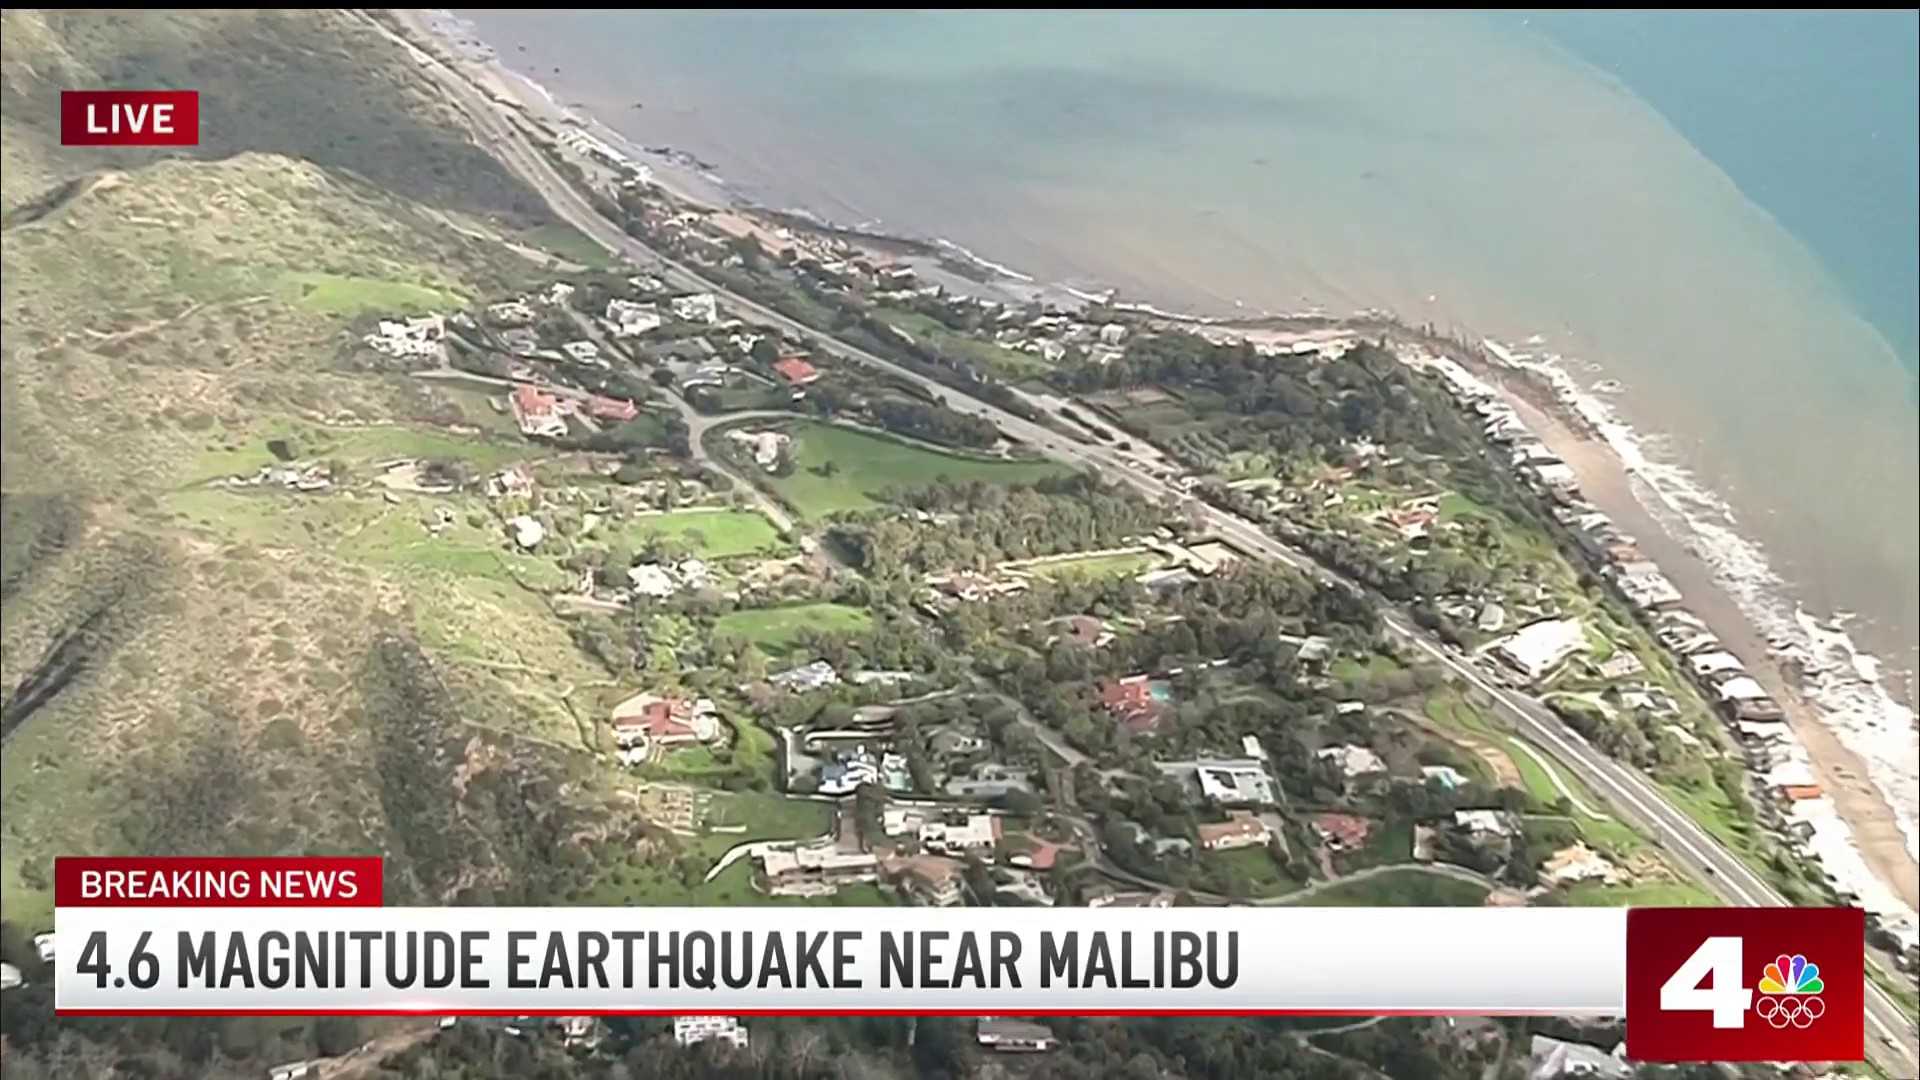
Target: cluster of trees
point(983, 524)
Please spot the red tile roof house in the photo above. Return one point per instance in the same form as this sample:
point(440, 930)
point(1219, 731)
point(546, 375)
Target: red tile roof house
point(536, 413)
point(1039, 854)
point(661, 721)
point(1342, 832)
point(1131, 702)
point(796, 370)
point(607, 408)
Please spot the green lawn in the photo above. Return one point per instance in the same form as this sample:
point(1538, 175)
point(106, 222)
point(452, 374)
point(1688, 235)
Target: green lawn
point(340, 294)
point(1400, 888)
point(864, 465)
point(777, 629)
point(713, 534)
point(568, 243)
point(244, 454)
point(1097, 566)
point(1594, 894)
point(1254, 865)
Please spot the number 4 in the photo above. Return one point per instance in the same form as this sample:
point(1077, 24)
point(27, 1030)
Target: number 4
point(1720, 958)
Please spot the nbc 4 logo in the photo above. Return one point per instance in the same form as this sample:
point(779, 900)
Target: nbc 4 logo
point(1789, 987)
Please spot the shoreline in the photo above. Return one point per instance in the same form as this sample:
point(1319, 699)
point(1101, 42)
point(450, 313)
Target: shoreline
point(1879, 836)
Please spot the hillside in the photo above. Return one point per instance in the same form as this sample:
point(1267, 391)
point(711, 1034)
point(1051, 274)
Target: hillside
point(316, 85)
point(189, 670)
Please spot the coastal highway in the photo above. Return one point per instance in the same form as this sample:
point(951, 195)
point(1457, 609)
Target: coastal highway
point(1893, 1035)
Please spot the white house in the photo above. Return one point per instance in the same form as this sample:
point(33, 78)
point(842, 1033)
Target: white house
point(628, 319)
point(699, 307)
point(527, 532)
point(688, 1030)
point(652, 579)
point(1353, 760)
point(813, 676)
point(582, 352)
point(1489, 822)
point(411, 337)
point(1539, 647)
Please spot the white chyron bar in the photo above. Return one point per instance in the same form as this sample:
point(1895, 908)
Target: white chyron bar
point(1563, 961)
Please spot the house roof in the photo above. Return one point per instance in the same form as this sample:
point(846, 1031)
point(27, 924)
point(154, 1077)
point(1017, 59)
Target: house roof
point(1238, 825)
point(795, 370)
point(1349, 829)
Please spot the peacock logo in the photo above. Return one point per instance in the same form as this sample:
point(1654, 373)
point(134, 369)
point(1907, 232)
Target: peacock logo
point(1790, 989)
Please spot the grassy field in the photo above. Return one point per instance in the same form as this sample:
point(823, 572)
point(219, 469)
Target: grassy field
point(776, 630)
point(340, 294)
point(713, 534)
point(568, 243)
point(1400, 888)
point(243, 453)
point(1594, 894)
point(934, 335)
point(1097, 566)
point(638, 882)
point(864, 465)
point(1256, 865)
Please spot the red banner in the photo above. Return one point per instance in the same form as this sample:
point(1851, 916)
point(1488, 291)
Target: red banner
point(321, 881)
point(130, 118)
point(1746, 984)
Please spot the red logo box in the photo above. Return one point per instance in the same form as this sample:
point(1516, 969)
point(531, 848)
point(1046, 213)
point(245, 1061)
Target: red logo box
point(1746, 984)
point(130, 118)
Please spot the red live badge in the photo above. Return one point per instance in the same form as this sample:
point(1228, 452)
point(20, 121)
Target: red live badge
point(1746, 984)
point(129, 117)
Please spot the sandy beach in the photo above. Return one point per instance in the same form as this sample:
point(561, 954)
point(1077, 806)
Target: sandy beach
point(1602, 477)
point(1604, 481)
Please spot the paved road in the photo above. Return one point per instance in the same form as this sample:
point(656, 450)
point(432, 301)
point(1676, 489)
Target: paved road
point(1630, 792)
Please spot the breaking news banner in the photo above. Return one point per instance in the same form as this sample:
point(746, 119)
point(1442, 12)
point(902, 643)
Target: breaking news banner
point(307, 936)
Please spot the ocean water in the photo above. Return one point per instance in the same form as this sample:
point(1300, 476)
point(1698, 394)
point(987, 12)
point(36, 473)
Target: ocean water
point(1482, 173)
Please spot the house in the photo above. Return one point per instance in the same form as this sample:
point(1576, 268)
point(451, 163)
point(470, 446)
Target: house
point(812, 676)
point(1113, 333)
point(1799, 792)
point(1087, 631)
point(1241, 829)
point(1448, 776)
point(1491, 618)
point(688, 1030)
point(609, 408)
point(1644, 586)
point(1352, 760)
point(978, 831)
point(1539, 647)
point(627, 319)
point(10, 977)
point(1554, 1059)
point(765, 446)
point(898, 820)
point(537, 413)
point(1235, 783)
point(999, 1034)
point(796, 370)
point(510, 313)
point(1740, 688)
point(514, 480)
point(1412, 523)
point(934, 880)
point(557, 293)
point(1712, 663)
point(1621, 665)
point(1130, 701)
point(1342, 832)
point(1578, 862)
point(1038, 854)
point(408, 337)
point(582, 352)
point(1250, 744)
point(43, 946)
point(664, 721)
point(1479, 823)
point(698, 307)
point(814, 869)
point(527, 532)
point(1762, 710)
point(293, 1070)
point(845, 775)
point(652, 579)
